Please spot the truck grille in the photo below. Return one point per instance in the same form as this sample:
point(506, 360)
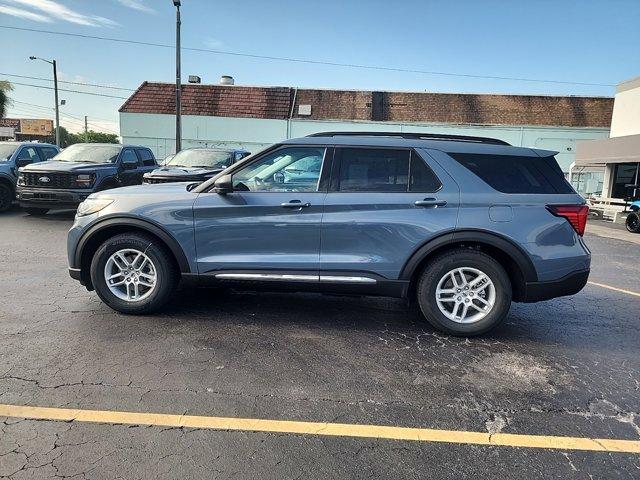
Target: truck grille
point(56, 180)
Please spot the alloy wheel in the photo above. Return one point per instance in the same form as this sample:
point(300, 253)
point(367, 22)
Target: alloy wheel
point(465, 295)
point(130, 275)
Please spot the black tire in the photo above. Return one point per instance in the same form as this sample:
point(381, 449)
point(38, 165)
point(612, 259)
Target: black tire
point(436, 269)
point(633, 222)
point(36, 211)
point(167, 274)
point(6, 197)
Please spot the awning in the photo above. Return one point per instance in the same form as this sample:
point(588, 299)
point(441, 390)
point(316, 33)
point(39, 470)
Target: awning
point(592, 153)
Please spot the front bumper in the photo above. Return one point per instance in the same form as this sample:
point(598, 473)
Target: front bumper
point(46, 198)
point(568, 285)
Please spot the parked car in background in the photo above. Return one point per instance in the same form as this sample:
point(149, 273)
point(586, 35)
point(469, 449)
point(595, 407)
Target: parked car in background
point(195, 165)
point(79, 170)
point(632, 221)
point(14, 155)
point(462, 225)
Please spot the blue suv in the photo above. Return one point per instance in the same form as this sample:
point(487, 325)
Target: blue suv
point(461, 225)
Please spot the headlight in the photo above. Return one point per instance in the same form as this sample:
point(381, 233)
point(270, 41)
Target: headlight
point(85, 180)
point(21, 181)
point(92, 205)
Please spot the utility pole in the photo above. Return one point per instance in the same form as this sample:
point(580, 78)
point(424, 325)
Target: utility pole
point(178, 81)
point(55, 87)
point(86, 130)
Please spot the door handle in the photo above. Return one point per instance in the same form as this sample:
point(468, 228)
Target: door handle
point(430, 203)
point(295, 204)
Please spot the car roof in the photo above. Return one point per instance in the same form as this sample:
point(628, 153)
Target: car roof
point(35, 144)
point(449, 146)
point(214, 149)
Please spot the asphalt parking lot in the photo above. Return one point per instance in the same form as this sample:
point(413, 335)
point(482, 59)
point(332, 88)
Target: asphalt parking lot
point(568, 367)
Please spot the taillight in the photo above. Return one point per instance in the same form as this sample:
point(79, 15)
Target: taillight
point(575, 214)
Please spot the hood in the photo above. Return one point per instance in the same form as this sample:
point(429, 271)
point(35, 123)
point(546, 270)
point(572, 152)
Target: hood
point(183, 171)
point(54, 166)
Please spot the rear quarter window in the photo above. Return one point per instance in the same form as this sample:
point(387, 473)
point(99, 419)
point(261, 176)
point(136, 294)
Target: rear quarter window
point(516, 174)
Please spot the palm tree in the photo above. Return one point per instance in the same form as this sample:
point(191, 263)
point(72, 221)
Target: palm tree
point(4, 98)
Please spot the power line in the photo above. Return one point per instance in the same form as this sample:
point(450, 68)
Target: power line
point(69, 91)
point(78, 121)
point(61, 111)
point(70, 83)
point(313, 62)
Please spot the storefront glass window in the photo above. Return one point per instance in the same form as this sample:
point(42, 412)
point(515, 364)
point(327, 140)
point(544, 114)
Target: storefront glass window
point(624, 174)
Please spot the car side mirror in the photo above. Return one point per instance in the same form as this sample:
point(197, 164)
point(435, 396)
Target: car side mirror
point(22, 162)
point(223, 185)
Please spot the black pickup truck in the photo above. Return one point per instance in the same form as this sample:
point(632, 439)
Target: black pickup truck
point(78, 171)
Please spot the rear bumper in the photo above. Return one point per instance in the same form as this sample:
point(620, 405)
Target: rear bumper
point(45, 198)
point(567, 285)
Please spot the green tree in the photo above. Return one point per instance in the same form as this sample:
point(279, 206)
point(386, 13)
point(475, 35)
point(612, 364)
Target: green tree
point(5, 87)
point(92, 136)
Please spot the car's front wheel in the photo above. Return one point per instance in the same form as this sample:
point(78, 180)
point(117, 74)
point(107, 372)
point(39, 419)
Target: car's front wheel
point(6, 197)
point(133, 274)
point(464, 292)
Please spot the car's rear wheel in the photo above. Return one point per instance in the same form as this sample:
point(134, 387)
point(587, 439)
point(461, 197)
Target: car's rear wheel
point(6, 197)
point(133, 274)
point(633, 222)
point(464, 292)
point(36, 211)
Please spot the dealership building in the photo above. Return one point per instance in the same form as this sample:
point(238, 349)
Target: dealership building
point(255, 117)
point(610, 168)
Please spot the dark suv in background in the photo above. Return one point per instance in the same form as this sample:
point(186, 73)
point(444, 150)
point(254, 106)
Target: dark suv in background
point(461, 225)
point(14, 155)
point(78, 171)
point(195, 165)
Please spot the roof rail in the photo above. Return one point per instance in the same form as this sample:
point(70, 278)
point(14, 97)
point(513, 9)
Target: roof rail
point(414, 136)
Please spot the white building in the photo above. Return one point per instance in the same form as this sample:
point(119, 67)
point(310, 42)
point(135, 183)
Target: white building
point(610, 168)
point(255, 117)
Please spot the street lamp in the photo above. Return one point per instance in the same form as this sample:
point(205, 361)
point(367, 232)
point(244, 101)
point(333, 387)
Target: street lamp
point(177, 4)
point(55, 87)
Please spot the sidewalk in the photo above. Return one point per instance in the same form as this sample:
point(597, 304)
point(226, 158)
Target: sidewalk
point(611, 230)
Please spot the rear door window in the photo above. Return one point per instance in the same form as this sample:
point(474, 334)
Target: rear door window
point(48, 153)
point(516, 174)
point(146, 157)
point(374, 170)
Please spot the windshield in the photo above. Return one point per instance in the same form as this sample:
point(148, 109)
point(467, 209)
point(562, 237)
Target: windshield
point(87, 153)
point(201, 158)
point(6, 151)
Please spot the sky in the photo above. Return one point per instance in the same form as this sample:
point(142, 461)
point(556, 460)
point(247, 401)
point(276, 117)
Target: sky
point(586, 41)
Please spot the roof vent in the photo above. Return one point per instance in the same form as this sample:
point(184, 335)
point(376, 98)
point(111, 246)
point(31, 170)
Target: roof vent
point(226, 80)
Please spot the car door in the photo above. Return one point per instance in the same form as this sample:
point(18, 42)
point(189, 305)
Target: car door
point(267, 225)
point(383, 204)
point(147, 161)
point(129, 165)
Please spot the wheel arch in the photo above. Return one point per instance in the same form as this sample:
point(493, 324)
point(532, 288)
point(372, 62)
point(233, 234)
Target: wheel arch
point(107, 228)
point(513, 259)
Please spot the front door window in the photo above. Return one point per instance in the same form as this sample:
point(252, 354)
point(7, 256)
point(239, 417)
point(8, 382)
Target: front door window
point(295, 169)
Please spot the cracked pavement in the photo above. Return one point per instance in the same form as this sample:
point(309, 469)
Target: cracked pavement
point(564, 367)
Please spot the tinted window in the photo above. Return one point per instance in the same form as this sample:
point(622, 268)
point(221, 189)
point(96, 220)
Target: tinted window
point(374, 170)
point(48, 153)
point(515, 174)
point(624, 174)
point(422, 177)
point(147, 157)
point(28, 153)
point(129, 156)
point(295, 169)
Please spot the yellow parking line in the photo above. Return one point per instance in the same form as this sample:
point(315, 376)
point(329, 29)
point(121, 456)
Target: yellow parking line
point(609, 287)
point(317, 428)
